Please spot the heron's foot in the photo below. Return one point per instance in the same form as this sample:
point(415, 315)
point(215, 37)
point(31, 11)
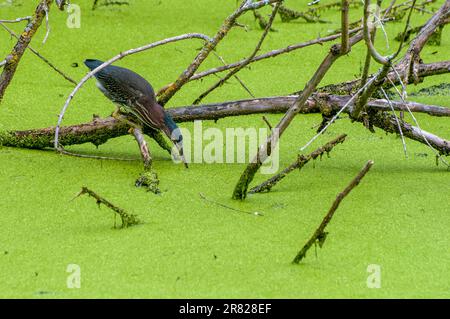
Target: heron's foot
point(149, 180)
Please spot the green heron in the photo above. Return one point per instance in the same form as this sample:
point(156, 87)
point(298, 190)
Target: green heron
point(131, 91)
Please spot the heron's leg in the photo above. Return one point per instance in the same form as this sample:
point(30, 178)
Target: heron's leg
point(149, 177)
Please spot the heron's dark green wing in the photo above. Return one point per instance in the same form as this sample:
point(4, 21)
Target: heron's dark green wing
point(122, 84)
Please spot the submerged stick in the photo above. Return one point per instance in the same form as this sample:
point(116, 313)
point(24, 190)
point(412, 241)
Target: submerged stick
point(298, 164)
point(320, 235)
point(127, 219)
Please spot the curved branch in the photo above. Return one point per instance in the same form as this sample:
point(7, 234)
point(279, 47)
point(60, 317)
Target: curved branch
point(368, 37)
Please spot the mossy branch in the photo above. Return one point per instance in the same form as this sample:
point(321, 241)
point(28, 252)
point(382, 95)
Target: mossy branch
point(99, 130)
point(127, 219)
point(262, 21)
point(320, 235)
point(287, 15)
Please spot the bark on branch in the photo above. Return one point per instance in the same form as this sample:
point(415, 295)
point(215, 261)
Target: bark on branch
point(98, 131)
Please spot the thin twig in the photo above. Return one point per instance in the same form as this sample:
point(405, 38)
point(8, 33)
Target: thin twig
point(247, 61)
point(47, 24)
point(267, 122)
point(17, 20)
point(229, 23)
point(235, 76)
point(320, 235)
point(272, 54)
point(202, 196)
point(63, 151)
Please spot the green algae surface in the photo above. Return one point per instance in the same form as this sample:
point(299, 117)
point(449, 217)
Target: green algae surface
point(398, 218)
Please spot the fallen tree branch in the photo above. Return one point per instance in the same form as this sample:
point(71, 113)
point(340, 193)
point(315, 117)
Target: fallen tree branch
point(127, 219)
point(389, 124)
point(423, 70)
point(98, 131)
point(298, 164)
point(320, 235)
